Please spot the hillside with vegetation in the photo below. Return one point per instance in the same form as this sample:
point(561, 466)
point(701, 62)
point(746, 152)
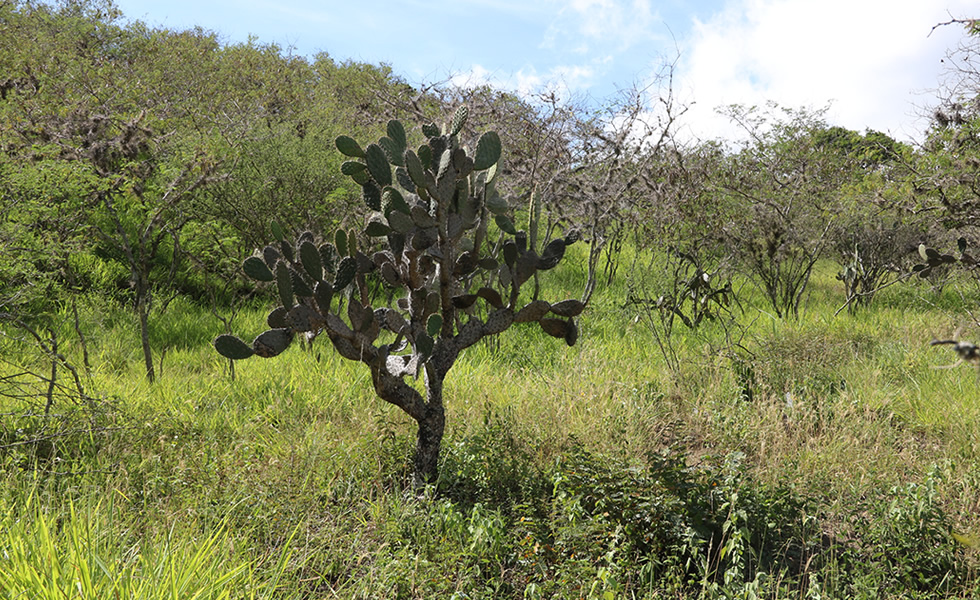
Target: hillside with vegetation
point(234, 282)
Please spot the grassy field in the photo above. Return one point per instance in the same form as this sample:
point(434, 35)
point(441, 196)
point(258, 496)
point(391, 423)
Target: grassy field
point(826, 458)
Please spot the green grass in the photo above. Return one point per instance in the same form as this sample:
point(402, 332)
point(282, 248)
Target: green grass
point(591, 471)
point(94, 551)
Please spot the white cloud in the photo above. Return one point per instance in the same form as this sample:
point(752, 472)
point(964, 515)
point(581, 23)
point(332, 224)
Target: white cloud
point(563, 80)
point(526, 82)
point(573, 76)
point(476, 77)
point(869, 59)
point(582, 25)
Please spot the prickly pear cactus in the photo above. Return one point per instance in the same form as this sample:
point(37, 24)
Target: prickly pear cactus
point(932, 259)
point(434, 210)
point(439, 234)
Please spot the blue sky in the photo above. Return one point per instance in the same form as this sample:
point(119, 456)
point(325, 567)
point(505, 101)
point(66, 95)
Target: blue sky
point(873, 62)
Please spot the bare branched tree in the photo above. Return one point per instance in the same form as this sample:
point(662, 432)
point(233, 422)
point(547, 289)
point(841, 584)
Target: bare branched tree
point(615, 180)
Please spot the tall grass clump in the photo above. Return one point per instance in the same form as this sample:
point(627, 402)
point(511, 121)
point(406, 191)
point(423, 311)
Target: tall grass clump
point(92, 552)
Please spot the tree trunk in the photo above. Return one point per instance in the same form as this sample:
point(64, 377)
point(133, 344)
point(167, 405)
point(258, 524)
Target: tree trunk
point(432, 424)
point(54, 372)
point(144, 317)
point(596, 244)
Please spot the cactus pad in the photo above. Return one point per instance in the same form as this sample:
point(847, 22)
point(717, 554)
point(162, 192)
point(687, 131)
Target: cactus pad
point(466, 263)
point(532, 311)
point(405, 180)
point(340, 241)
point(400, 222)
point(505, 224)
point(459, 119)
point(287, 250)
point(489, 263)
point(300, 287)
point(391, 199)
point(422, 217)
point(425, 238)
point(552, 254)
point(272, 342)
point(353, 167)
point(568, 308)
point(554, 327)
point(927, 253)
point(328, 256)
point(425, 156)
point(346, 271)
point(415, 169)
point(349, 147)
point(285, 284)
point(433, 325)
point(351, 243)
point(392, 321)
point(464, 301)
point(487, 151)
point(424, 344)
point(303, 318)
point(277, 317)
point(498, 321)
point(496, 204)
point(445, 163)
point(231, 347)
point(271, 256)
point(390, 274)
point(323, 293)
point(256, 268)
point(571, 335)
point(377, 228)
point(526, 265)
point(309, 255)
point(396, 131)
point(492, 296)
point(277, 231)
point(377, 164)
point(393, 152)
point(357, 315)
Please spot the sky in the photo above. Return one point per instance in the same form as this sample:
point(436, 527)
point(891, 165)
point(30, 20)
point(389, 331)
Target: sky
point(875, 63)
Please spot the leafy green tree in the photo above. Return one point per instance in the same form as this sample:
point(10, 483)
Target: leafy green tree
point(278, 162)
point(280, 175)
point(874, 238)
point(143, 145)
point(99, 113)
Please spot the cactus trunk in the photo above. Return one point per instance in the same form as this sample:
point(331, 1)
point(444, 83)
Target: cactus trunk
point(432, 424)
point(429, 412)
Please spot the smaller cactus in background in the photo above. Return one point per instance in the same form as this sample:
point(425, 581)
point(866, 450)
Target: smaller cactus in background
point(933, 259)
point(432, 208)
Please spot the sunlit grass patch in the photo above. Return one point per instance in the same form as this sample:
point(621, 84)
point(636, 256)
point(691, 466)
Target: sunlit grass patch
point(91, 551)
